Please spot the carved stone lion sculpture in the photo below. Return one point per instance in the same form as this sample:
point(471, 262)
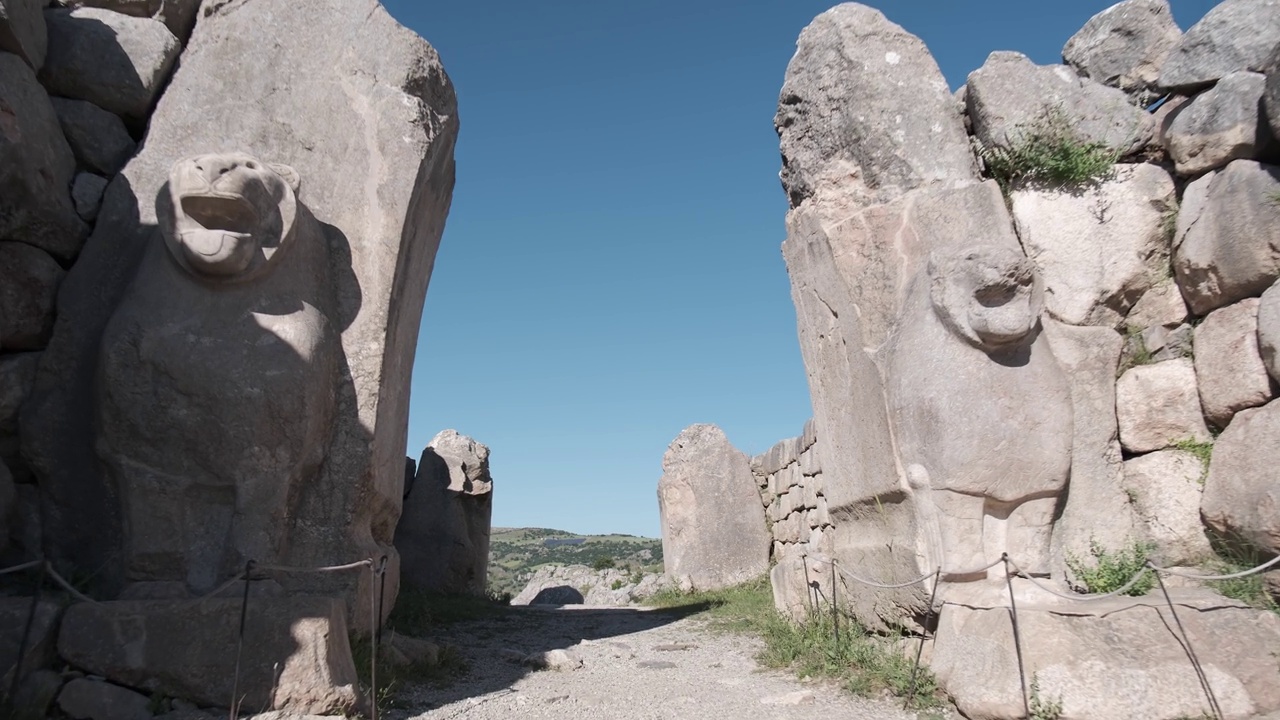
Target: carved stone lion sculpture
point(217, 375)
point(981, 410)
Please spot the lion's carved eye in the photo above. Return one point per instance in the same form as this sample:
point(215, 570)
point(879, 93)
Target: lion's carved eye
point(251, 165)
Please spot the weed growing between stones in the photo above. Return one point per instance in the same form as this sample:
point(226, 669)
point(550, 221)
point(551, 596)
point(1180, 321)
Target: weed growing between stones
point(861, 662)
point(1043, 708)
point(1135, 351)
point(394, 679)
point(1048, 152)
point(1110, 570)
point(1203, 450)
point(1233, 557)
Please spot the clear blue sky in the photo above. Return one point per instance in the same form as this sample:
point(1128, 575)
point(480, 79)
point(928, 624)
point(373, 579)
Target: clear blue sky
point(610, 272)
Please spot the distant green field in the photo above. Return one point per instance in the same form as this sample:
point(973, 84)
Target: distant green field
point(514, 553)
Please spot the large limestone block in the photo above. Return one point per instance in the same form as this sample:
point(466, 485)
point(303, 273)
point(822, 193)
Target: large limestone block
point(98, 700)
point(861, 482)
point(114, 61)
point(1010, 95)
point(1271, 93)
point(296, 651)
point(1234, 35)
point(1218, 125)
point(17, 375)
point(1241, 495)
point(1161, 307)
point(1096, 508)
point(177, 15)
point(1269, 330)
point(982, 410)
point(443, 534)
point(878, 250)
point(98, 138)
point(1099, 249)
point(36, 166)
point(1125, 45)
point(1118, 659)
point(29, 281)
point(1228, 242)
point(908, 132)
point(362, 110)
point(713, 528)
point(1229, 368)
point(1165, 487)
point(22, 30)
point(136, 8)
point(1158, 405)
point(40, 650)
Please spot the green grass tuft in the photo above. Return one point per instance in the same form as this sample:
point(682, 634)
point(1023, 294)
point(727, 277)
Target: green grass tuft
point(1112, 569)
point(1201, 449)
point(1234, 557)
point(1048, 152)
point(861, 662)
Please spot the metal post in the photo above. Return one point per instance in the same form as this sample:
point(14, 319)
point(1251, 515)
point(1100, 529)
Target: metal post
point(1191, 653)
point(835, 608)
point(915, 669)
point(374, 622)
point(1017, 639)
point(244, 612)
point(26, 639)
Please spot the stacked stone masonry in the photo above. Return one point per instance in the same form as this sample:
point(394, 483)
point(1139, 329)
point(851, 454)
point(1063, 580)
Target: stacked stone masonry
point(789, 476)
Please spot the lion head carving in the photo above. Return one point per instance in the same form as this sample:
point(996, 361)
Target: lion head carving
point(989, 295)
point(229, 214)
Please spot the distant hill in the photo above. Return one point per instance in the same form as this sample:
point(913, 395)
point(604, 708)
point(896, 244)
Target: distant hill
point(515, 553)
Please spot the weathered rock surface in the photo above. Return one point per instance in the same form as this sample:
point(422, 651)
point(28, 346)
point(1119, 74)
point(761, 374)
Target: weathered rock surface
point(188, 650)
point(17, 374)
point(1111, 660)
point(852, 56)
point(36, 695)
point(36, 166)
point(386, 114)
point(1165, 487)
point(443, 534)
point(86, 193)
point(136, 8)
point(1271, 93)
point(8, 500)
point(1088, 356)
point(29, 281)
point(84, 699)
point(713, 527)
point(1229, 369)
point(1010, 96)
point(1158, 405)
point(1218, 125)
point(1161, 306)
point(1234, 35)
point(1100, 249)
point(22, 30)
point(1269, 330)
point(1241, 496)
point(114, 61)
point(968, 370)
point(1228, 242)
point(1125, 45)
point(580, 585)
point(40, 648)
point(98, 138)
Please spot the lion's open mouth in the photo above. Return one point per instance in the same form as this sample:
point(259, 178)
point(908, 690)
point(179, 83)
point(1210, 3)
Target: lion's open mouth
point(211, 219)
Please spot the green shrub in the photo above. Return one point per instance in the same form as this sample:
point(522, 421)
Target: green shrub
point(1233, 557)
point(618, 584)
point(1043, 708)
point(1202, 450)
point(602, 563)
point(1048, 152)
point(1111, 570)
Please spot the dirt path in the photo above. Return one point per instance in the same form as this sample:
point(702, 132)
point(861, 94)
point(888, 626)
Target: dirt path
point(635, 665)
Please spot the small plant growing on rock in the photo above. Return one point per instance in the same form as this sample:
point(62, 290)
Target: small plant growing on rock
point(1043, 708)
point(1201, 449)
point(1048, 152)
point(1111, 571)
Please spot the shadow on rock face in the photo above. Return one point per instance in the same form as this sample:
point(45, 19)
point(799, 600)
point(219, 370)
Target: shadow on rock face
point(558, 595)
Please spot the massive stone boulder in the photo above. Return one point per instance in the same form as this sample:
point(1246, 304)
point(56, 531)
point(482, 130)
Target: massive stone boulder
point(1218, 125)
point(1010, 97)
point(114, 61)
point(851, 55)
point(1118, 659)
point(1165, 487)
point(1228, 239)
point(36, 166)
point(1158, 405)
point(443, 535)
point(295, 657)
point(1269, 330)
point(713, 527)
point(361, 111)
point(1125, 45)
point(98, 138)
point(1229, 370)
point(1241, 496)
point(1234, 35)
point(1101, 248)
point(22, 30)
point(29, 288)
